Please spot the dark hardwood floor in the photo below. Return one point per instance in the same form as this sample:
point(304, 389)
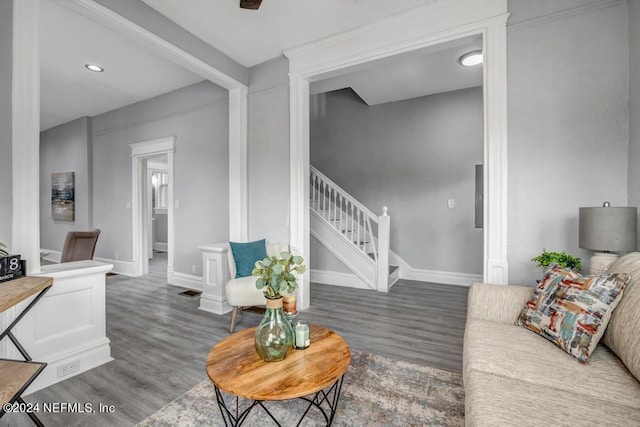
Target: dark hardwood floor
point(159, 340)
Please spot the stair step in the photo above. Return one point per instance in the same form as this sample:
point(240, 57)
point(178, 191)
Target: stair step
point(393, 268)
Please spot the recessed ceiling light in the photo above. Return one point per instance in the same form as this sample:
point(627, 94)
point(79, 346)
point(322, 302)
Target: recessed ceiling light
point(470, 59)
point(93, 67)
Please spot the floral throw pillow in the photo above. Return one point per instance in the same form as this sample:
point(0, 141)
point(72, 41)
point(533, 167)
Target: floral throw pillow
point(572, 310)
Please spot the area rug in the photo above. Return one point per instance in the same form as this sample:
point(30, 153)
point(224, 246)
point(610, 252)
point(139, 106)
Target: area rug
point(377, 391)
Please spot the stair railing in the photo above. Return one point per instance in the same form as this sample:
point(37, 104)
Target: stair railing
point(366, 231)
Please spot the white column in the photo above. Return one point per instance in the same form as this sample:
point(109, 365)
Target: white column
point(238, 205)
point(26, 133)
point(299, 179)
point(215, 275)
point(495, 95)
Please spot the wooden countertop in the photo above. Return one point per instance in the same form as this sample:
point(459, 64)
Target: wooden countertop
point(14, 291)
point(235, 366)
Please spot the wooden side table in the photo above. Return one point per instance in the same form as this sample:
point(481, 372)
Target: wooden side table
point(17, 375)
point(235, 367)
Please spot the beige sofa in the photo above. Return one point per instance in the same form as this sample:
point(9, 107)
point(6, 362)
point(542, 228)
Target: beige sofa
point(514, 377)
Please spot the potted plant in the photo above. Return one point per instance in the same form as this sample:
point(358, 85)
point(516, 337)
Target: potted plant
point(561, 258)
point(3, 250)
point(276, 277)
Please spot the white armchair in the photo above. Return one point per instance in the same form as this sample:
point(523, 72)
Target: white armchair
point(242, 292)
point(222, 292)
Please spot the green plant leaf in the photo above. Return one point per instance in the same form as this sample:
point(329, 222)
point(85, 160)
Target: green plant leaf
point(260, 283)
point(298, 259)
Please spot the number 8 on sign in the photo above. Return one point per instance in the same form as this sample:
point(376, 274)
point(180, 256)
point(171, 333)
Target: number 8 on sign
point(14, 264)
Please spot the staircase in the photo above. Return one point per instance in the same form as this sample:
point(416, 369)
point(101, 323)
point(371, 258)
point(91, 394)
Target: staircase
point(352, 233)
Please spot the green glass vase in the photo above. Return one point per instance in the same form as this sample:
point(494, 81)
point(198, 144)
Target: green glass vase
point(274, 336)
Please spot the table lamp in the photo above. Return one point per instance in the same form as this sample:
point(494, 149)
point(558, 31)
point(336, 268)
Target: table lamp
point(607, 230)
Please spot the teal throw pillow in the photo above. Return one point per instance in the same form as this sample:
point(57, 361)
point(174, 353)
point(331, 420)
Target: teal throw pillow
point(246, 255)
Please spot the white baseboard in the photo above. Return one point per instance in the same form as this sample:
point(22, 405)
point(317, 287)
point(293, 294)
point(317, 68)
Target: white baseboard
point(444, 277)
point(185, 280)
point(160, 247)
point(87, 357)
point(126, 268)
point(211, 304)
point(348, 280)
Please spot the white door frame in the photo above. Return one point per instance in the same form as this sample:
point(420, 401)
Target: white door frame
point(419, 28)
point(141, 151)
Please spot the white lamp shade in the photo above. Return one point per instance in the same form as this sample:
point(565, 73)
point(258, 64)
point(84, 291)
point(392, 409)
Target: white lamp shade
point(608, 229)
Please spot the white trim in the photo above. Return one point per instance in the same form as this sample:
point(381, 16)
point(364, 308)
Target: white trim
point(25, 137)
point(212, 304)
point(160, 246)
point(565, 14)
point(126, 268)
point(141, 151)
point(89, 356)
point(299, 216)
point(238, 176)
point(418, 28)
point(444, 277)
point(336, 278)
point(188, 281)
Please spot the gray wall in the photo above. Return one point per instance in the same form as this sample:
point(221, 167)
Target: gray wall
point(568, 125)
point(6, 68)
point(634, 103)
point(268, 151)
point(198, 116)
point(65, 148)
point(411, 156)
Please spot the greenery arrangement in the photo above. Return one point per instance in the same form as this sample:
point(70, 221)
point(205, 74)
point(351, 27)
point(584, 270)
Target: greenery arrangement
point(4, 251)
point(561, 258)
point(277, 276)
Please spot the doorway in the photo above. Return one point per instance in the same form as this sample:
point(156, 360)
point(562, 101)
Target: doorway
point(404, 33)
point(152, 201)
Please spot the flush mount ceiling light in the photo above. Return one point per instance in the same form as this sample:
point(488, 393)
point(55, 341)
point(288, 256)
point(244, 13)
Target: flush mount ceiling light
point(470, 59)
point(93, 67)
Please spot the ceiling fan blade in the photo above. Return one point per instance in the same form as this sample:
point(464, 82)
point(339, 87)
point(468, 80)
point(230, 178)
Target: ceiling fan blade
point(250, 4)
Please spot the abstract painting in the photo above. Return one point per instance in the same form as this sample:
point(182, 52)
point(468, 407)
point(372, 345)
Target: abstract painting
point(63, 203)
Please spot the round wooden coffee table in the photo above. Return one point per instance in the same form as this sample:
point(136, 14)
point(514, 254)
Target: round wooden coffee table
point(314, 374)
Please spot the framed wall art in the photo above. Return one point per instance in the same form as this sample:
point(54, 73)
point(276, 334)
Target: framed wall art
point(63, 201)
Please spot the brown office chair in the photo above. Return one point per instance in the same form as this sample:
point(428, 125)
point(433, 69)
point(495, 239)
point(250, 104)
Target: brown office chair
point(79, 245)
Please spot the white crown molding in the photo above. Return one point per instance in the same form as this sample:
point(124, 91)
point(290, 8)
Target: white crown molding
point(565, 14)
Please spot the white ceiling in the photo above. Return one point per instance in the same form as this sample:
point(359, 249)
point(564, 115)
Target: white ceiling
point(133, 74)
point(68, 91)
point(418, 73)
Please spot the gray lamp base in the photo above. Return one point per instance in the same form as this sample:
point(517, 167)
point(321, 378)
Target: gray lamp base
point(600, 262)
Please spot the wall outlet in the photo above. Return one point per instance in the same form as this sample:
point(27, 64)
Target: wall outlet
point(451, 203)
point(68, 368)
point(194, 269)
point(116, 256)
